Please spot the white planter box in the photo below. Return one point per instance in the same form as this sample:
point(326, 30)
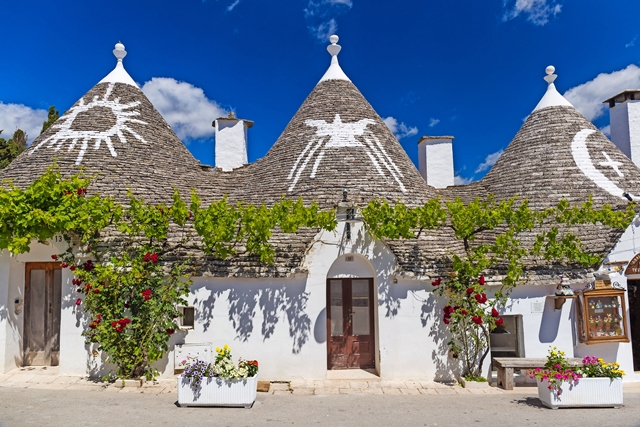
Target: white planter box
point(218, 392)
point(599, 392)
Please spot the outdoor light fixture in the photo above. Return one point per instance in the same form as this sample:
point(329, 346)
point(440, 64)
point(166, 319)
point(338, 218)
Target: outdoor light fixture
point(627, 196)
point(344, 195)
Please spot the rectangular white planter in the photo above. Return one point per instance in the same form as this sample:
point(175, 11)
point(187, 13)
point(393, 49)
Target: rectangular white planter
point(598, 392)
point(218, 392)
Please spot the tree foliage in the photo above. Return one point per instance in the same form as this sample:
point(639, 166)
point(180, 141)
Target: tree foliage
point(52, 116)
point(12, 148)
point(491, 234)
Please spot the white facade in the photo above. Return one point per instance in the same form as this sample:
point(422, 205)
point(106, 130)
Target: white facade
point(625, 129)
point(231, 143)
point(435, 160)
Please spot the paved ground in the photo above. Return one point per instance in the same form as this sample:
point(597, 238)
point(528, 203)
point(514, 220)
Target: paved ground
point(37, 399)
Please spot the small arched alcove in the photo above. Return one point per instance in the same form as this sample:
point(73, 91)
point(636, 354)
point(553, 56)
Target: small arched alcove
point(352, 315)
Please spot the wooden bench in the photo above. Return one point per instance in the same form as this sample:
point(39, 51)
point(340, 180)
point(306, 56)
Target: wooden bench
point(506, 365)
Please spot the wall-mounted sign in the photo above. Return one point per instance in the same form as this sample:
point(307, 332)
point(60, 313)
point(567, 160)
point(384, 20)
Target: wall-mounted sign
point(537, 307)
point(634, 266)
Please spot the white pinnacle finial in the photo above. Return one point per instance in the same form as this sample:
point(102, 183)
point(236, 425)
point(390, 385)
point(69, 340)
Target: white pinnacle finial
point(119, 51)
point(334, 47)
point(119, 74)
point(334, 72)
point(551, 97)
point(550, 77)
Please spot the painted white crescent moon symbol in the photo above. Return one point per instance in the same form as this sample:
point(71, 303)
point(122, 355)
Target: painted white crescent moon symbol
point(582, 158)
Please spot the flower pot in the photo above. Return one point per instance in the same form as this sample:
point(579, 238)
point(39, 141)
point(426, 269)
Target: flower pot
point(218, 392)
point(595, 392)
point(474, 384)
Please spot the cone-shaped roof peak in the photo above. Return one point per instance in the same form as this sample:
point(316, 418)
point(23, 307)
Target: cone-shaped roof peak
point(552, 97)
point(334, 72)
point(119, 74)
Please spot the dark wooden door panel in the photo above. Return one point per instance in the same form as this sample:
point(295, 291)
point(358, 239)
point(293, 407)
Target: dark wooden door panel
point(350, 324)
point(43, 295)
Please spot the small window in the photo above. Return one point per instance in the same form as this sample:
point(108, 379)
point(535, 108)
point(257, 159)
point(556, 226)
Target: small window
point(187, 317)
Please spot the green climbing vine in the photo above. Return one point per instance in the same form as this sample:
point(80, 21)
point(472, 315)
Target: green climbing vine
point(491, 233)
point(127, 285)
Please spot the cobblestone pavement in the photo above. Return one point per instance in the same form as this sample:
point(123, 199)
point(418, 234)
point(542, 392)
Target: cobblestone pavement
point(47, 378)
point(40, 396)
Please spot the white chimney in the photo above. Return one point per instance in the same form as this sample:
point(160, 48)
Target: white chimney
point(435, 159)
point(231, 142)
point(624, 118)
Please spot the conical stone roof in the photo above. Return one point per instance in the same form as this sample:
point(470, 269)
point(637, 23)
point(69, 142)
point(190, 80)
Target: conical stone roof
point(335, 141)
point(112, 132)
point(559, 154)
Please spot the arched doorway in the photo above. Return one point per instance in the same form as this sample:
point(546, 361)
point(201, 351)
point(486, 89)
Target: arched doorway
point(351, 302)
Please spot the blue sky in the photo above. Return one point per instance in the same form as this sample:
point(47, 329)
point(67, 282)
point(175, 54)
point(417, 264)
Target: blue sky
point(471, 69)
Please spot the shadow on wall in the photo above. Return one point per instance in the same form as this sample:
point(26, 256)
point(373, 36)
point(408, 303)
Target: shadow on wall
point(446, 369)
point(245, 299)
point(384, 263)
point(550, 322)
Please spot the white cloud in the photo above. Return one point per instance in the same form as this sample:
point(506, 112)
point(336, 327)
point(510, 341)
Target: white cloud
point(632, 43)
point(606, 131)
point(400, 130)
point(184, 106)
point(489, 161)
point(18, 116)
point(433, 121)
point(232, 5)
point(458, 180)
point(538, 12)
point(321, 16)
point(588, 97)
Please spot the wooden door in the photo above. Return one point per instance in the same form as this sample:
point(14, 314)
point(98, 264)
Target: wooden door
point(43, 283)
point(350, 325)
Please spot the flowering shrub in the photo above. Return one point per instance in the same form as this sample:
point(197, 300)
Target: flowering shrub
point(596, 367)
point(555, 371)
point(222, 367)
point(196, 370)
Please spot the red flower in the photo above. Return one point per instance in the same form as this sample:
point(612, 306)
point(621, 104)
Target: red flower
point(126, 305)
point(54, 256)
point(481, 280)
point(481, 298)
point(477, 320)
point(465, 312)
point(494, 312)
point(78, 301)
point(96, 291)
point(499, 321)
point(448, 309)
point(170, 331)
point(436, 282)
point(88, 266)
point(114, 324)
point(146, 294)
point(99, 317)
point(469, 291)
point(72, 268)
point(64, 265)
point(446, 320)
point(154, 258)
point(190, 214)
point(93, 325)
point(147, 257)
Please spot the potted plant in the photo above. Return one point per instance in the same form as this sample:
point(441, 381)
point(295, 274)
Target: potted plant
point(221, 383)
point(597, 383)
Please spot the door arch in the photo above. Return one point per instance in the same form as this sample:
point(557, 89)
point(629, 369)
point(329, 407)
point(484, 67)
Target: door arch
point(351, 303)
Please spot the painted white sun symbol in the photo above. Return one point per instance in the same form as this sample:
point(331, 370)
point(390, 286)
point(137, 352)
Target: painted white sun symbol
point(96, 137)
